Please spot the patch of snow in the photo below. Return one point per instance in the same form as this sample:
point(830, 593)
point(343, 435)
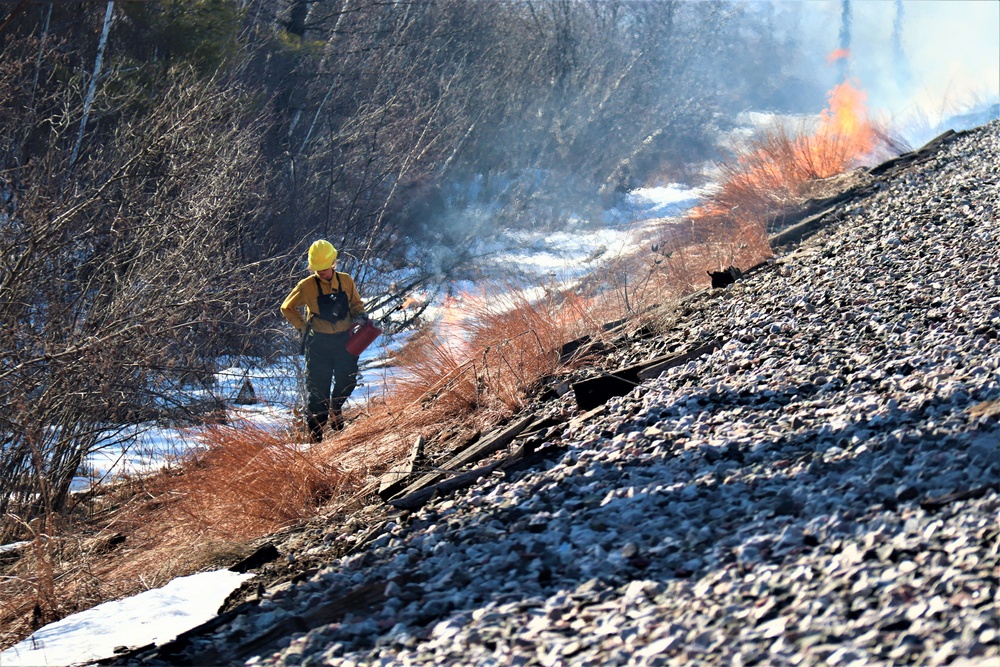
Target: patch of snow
point(152, 617)
point(12, 546)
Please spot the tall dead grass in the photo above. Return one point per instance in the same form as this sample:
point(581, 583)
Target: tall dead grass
point(491, 355)
point(247, 481)
point(775, 172)
point(476, 368)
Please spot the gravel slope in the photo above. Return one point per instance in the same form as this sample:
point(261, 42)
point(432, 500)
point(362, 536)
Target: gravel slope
point(821, 490)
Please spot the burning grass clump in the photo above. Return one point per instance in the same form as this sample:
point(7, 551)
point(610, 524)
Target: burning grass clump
point(775, 172)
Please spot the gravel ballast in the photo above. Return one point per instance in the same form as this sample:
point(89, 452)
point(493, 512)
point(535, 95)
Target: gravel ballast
point(822, 489)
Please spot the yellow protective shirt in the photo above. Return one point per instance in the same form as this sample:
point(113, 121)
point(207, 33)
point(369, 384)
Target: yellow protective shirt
point(305, 294)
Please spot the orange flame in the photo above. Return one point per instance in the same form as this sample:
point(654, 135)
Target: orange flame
point(451, 311)
point(779, 165)
point(839, 54)
point(412, 301)
point(845, 132)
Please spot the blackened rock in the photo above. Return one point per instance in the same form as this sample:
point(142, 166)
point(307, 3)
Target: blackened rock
point(725, 277)
point(265, 554)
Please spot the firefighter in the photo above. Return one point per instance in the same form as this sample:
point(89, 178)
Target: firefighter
point(332, 305)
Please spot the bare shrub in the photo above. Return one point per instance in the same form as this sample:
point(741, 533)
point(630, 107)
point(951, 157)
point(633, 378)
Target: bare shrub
point(52, 576)
point(121, 272)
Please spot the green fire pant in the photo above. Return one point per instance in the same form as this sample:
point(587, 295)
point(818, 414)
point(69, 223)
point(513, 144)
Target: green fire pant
point(327, 362)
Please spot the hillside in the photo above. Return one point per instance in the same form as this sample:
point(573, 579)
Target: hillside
point(820, 488)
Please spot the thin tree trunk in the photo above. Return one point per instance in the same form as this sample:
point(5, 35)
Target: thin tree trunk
point(41, 51)
point(93, 82)
point(333, 84)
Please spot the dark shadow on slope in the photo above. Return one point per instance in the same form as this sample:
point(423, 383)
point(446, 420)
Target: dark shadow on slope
point(749, 535)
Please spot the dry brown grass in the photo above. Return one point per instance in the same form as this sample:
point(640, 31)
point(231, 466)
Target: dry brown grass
point(781, 168)
point(244, 482)
point(247, 481)
point(777, 171)
point(470, 372)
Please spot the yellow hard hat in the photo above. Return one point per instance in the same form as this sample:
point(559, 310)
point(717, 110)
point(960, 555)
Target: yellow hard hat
point(322, 255)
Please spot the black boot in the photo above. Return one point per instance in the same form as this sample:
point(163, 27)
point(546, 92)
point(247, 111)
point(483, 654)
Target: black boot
point(337, 413)
point(336, 420)
point(315, 426)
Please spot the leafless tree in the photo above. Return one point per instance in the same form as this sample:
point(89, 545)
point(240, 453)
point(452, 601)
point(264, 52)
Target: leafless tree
point(121, 275)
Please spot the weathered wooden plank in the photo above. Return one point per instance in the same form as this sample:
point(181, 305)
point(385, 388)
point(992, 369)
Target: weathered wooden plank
point(596, 391)
point(484, 447)
point(938, 502)
point(655, 368)
point(568, 350)
point(357, 600)
point(580, 419)
point(797, 232)
point(785, 221)
point(420, 496)
point(396, 479)
point(925, 151)
point(539, 425)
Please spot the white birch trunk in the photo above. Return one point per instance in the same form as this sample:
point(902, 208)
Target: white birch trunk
point(92, 90)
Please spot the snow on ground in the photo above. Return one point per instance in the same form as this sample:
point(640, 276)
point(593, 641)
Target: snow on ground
point(144, 448)
point(581, 247)
point(13, 546)
point(154, 616)
point(535, 260)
